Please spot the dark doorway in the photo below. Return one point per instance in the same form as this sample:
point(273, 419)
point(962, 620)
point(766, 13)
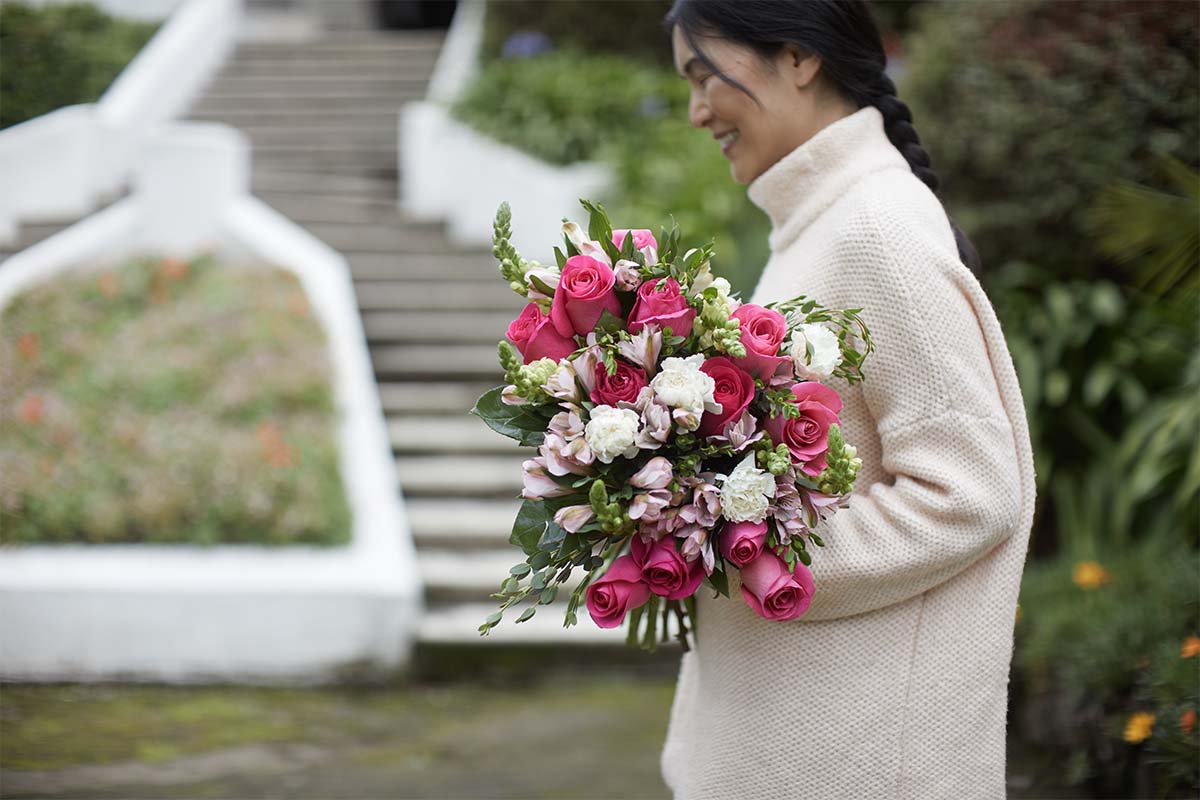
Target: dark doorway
point(408, 14)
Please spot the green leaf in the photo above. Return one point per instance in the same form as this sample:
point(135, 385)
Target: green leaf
point(719, 581)
point(539, 284)
point(635, 621)
point(522, 423)
point(553, 535)
point(519, 570)
point(528, 527)
point(609, 323)
point(547, 596)
point(560, 257)
point(527, 613)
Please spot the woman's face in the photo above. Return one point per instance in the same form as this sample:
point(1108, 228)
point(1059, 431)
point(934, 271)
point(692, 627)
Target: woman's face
point(790, 107)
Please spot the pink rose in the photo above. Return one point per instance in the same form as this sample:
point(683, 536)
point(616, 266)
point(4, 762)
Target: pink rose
point(807, 435)
point(742, 542)
point(642, 238)
point(623, 385)
point(615, 592)
point(585, 291)
point(535, 336)
point(734, 391)
point(763, 331)
point(665, 569)
point(660, 302)
point(772, 591)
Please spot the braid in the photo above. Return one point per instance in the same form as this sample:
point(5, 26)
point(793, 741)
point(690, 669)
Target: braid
point(897, 121)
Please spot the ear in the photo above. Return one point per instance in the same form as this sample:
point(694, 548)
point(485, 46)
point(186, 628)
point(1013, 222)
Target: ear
point(800, 65)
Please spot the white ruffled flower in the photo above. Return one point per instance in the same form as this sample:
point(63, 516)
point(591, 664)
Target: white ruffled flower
point(746, 493)
point(689, 392)
point(826, 352)
point(612, 432)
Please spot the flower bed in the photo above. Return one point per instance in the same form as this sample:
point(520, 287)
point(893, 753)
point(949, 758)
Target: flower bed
point(168, 402)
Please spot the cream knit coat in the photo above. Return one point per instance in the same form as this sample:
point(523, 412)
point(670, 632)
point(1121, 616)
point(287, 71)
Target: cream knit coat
point(895, 683)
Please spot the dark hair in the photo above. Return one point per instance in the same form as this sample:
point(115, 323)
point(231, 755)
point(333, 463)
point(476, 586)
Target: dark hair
point(845, 37)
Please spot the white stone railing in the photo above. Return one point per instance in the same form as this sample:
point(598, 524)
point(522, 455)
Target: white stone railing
point(230, 612)
point(60, 164)
point(454, 174)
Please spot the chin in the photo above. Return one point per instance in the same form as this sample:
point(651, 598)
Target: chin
point(739, 173)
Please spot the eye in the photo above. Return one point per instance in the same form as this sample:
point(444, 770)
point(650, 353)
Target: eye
point(701, 81)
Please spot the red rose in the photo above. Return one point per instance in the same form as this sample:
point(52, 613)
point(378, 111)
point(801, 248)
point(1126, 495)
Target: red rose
point(660, 302)
point(624, 384)
point(807, 436)
point(665, 570)
point(772, 591)
point(763, 331)
point(615, 592)
point(535, 336)
point(734, 390)
point(585, 291)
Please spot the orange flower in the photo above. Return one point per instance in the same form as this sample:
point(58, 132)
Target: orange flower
point(27, 344)
point(1090, 575)
point(174, 268)
point(32, 409)
point(1139, 726)
point(1191, 647)
point(109, 284)
point(1187, 720)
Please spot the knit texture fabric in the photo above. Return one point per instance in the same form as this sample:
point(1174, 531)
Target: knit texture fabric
point(895, 682)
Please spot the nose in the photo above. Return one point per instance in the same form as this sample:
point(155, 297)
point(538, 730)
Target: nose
point(698, 112)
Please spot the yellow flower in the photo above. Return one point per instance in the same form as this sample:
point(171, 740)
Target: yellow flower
point(1138, 728)
point(1191, 647)
point(1090, 575)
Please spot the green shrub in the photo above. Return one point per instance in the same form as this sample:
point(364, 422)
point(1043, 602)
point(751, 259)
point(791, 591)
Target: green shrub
point(1028, 109)
point(565, 107)
point(60, 55)
point(168, 402)
point(1100, 642)
point(631, 28)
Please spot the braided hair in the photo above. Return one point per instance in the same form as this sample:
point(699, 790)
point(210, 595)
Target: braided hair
point(845, 37)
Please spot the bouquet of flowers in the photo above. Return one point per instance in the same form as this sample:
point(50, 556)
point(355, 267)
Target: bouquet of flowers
point(678, 430)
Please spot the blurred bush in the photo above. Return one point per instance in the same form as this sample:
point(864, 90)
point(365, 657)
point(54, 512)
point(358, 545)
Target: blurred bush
point(624, 27)
point(1030, 108)
point(59, 55)
point(168, 402)
point(1109, 664)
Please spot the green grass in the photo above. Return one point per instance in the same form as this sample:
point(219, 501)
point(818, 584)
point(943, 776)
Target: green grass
point(163, 401)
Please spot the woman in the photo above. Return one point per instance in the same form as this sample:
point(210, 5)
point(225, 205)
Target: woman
point(894, 684)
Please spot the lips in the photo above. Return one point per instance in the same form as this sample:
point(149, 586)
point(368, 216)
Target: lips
point(727, 139)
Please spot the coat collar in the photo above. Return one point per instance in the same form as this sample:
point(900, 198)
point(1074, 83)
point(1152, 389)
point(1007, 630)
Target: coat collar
point(798, 187)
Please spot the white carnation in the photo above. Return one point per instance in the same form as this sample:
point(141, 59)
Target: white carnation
point(681, 385)
point(612, 432)
point(746, 493)
point(826, 352)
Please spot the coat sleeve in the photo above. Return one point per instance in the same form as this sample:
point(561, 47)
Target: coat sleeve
point(951, 488)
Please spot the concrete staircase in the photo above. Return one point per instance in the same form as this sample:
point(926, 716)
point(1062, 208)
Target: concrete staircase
point(322, 120)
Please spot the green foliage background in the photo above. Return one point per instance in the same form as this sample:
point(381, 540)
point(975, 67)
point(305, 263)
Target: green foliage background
point(60, 55)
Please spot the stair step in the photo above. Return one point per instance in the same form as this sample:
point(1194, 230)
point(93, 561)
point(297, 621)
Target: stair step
point(332, 101)
point(456, 265)
point(347, 208)
point(459, 624)
point(328, 159)
point(472, 576)
point(297, 65)
point(455, 476)
point(437, 361)
point(448, 434)
point(234, 83)
point(396, 295)
point(279, 178)
point(431, 397)
point(342, 48)
point(436, 326)
point(380, 137)
point(246, 118)
point(461, 522)
point(396, 238)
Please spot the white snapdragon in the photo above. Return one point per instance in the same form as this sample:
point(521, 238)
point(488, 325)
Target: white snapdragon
point(689, 392)
point(746, 492)
point(612, 432)
point(826, 353)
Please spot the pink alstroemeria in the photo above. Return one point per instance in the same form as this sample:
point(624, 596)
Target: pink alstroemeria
point(788, 508)
point(538, 485)
point(643, 348)
point(649, 506)
point(562, 384)
point(697, 544)
point(705, 505)
point(656, 474)
point(572, 518)
point(629, 277)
